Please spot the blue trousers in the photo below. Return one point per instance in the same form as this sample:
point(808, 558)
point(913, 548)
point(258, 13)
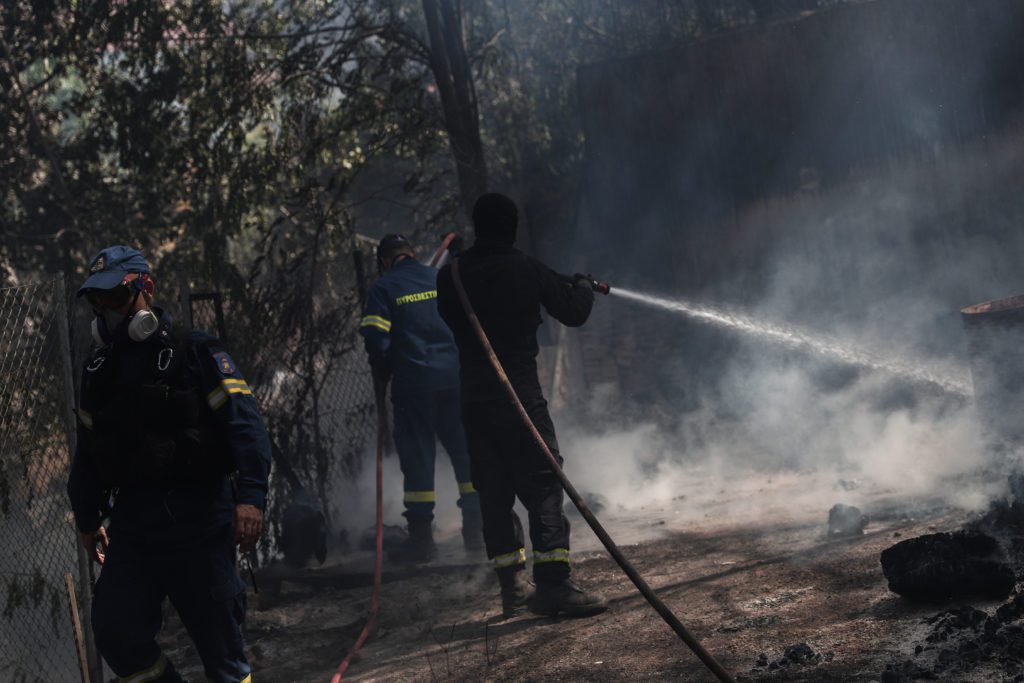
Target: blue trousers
point(421, 419)
point(203, 585)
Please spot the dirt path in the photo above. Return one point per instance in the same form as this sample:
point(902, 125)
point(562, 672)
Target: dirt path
point(743, 587)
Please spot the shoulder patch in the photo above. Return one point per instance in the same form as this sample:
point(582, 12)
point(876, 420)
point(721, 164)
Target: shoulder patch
point(224, 363)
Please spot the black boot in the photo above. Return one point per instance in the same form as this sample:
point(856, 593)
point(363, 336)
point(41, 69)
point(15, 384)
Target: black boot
point(515, 591)
point(169, 674)
point(565, 597)
point(419, 547)
point(472, 530)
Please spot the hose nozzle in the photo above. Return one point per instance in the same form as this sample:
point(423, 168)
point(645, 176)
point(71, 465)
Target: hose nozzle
point(600, 287)
point(596, 285)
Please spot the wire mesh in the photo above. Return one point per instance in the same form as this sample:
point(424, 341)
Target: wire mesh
point(311, 378)
point(38, 531)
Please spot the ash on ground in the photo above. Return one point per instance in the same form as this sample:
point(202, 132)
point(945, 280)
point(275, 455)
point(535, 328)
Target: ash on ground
point(963, 640)
point(800, 654)
point(966, 641)
point(1004, 521)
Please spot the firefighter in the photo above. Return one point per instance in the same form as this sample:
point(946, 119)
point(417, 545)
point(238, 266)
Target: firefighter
point(409, 345)
point(507, 289)
point(171, 448)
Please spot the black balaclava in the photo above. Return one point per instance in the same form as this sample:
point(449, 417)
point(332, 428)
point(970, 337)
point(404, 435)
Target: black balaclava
point(494, 220)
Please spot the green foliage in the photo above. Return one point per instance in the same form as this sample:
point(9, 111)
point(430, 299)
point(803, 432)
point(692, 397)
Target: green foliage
point(191, 129)
point(184, 128)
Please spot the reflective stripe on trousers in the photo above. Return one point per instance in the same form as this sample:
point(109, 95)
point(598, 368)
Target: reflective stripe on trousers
point(510, 559)
point(556, 555)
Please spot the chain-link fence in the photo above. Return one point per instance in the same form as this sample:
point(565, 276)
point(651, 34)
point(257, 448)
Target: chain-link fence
point(301, 351)
point(40, 543)
point(302, 354)
point(305, 362)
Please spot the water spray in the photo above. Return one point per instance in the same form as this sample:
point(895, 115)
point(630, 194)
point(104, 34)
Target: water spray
point(793, 337)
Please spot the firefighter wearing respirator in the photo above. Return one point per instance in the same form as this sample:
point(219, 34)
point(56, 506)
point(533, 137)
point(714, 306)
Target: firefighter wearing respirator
point(169, 475)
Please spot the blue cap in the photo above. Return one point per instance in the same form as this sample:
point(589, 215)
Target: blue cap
point(108, 268)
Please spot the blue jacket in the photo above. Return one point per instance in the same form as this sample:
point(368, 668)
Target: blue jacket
point(118, 394)
point(404, 335)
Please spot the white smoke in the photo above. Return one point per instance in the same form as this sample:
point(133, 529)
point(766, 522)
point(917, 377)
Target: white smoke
point(356, 499)
point(876, 270)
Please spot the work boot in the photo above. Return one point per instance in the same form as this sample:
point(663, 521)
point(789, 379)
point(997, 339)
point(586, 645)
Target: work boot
point(565, 597)
point(419, 546)
point(472, 530)
point(515, 590)
point(168, 675)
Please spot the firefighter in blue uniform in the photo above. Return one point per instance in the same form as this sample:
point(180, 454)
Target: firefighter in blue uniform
point(171, 448)
point(408, 344)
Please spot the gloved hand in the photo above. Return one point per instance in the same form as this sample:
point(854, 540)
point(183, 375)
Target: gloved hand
point(581, 280)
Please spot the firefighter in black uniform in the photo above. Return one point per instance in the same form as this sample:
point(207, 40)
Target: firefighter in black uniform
point(171, 448)
point(408, 344)
point(507, 289)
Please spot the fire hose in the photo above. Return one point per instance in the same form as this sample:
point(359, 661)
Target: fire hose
point(660, 607)
point(379, 391)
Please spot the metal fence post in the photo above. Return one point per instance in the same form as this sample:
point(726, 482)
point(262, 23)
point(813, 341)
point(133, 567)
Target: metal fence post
point(84, 561)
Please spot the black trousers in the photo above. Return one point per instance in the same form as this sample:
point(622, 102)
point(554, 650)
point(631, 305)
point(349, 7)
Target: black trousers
point(507, 463)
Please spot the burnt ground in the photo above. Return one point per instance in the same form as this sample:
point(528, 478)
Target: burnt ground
point(749, 586)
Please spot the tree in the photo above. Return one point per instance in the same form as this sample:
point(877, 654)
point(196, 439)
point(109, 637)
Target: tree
point(450, 66)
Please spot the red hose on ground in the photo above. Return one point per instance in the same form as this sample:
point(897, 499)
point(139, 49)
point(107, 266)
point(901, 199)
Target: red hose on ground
point(380, 391)
point(378, 562)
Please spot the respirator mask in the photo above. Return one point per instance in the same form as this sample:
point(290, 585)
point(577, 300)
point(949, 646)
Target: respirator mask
point(108, 322)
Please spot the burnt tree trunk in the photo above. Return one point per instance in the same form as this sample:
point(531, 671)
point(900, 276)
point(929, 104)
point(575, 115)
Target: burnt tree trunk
point(458, 98)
